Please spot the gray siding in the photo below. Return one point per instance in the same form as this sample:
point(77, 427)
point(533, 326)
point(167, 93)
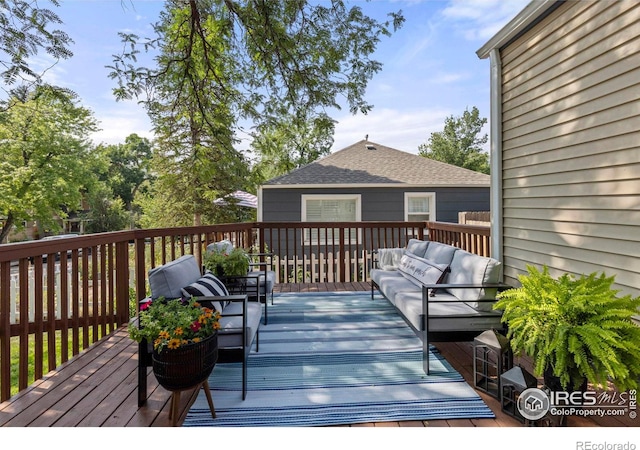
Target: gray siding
point(571, 170)
point(378, 203)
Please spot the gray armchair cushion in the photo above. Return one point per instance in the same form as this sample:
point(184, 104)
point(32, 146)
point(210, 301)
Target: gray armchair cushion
point(266, 285)
point(224, 246)
point(168, 280)
point(229, 335)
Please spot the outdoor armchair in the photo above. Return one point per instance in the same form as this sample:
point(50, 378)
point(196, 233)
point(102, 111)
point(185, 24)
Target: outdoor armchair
point(239, 321)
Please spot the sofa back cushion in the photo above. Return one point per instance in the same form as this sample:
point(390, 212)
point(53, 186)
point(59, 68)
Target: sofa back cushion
point(417, 247)
point(440, 253)
point(421, 271)
point(467, 268)
point(168, 280)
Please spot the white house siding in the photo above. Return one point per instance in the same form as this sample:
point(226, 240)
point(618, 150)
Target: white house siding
point(571, 137)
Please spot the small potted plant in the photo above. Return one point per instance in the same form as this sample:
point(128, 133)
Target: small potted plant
point(225, 262)
point(574, 328)
point(184, 338)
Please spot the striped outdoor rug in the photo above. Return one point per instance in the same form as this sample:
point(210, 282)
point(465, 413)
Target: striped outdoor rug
point(335, 358)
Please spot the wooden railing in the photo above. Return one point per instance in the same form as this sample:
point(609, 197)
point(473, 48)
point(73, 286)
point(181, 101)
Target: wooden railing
point(58, 297)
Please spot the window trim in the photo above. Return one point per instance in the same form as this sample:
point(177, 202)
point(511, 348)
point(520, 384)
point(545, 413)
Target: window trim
point(431, 196)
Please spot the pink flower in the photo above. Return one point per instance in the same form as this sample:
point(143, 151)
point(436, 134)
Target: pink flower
point(195, 326)
point(145, 305)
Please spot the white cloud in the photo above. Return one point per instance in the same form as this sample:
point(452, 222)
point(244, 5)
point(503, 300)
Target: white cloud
point(404, 130)
point(449, 77)
point(120, 121)
point(482, 19)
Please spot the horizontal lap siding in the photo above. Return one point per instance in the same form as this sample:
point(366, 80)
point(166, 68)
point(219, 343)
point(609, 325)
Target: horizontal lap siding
point(378, 203)
point(571, 136)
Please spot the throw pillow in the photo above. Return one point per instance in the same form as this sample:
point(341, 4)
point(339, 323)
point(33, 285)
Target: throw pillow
point(207, 286)
point(421, 271)
point(389, 258)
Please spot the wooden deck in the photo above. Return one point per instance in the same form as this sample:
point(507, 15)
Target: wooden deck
point(98, 389)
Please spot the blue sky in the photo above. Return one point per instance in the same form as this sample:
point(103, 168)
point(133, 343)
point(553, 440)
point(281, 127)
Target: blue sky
point(430, 68)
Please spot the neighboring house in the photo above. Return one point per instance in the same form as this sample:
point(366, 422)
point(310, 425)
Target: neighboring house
point(370, 182)
point(565, 139)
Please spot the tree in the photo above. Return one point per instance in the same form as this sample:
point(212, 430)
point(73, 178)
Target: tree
point(44, 156)
point(194, 158)
point(264, 57)
point(221, 63)
point(106, 213)
point(459, 143)
point(291, 143)
point(127, 167)
point(25, 29)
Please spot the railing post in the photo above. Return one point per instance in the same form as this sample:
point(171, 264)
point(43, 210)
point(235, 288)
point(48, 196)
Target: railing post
point(5, 332)
point(122, 282)
point(343, 277)
point(140, 270)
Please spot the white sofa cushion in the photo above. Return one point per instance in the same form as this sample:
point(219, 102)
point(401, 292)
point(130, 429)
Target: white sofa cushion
point(448, 314)
point(467, 268)
point(440, 253)
point(394, 284)
point(168, 280)
point(417, 247)
point(421, 271)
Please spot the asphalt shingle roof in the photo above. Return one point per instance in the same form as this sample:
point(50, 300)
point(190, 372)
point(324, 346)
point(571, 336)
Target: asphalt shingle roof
point(367, 162)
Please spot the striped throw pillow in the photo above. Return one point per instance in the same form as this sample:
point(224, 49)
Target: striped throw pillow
point(207, 286)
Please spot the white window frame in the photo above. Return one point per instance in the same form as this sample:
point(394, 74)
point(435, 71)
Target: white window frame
point(307, 238)
point(431, 198)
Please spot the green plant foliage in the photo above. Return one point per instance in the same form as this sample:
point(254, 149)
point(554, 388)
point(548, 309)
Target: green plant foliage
point(25, 30)
point(173, 323)
point(578, 326)
point(460, 143)
point(45, 162)
point(222, 262)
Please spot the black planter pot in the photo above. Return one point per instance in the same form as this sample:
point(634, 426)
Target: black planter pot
point(186, 366)
point(552, 382)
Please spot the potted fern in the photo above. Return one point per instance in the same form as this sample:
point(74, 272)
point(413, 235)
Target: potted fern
point(575, 328)
point(225, 262)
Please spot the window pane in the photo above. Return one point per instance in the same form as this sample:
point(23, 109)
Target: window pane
point(418, 205)
point(331, 210)
point(418, 218)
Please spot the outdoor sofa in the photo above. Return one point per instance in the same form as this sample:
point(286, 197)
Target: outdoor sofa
point(443, 292)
